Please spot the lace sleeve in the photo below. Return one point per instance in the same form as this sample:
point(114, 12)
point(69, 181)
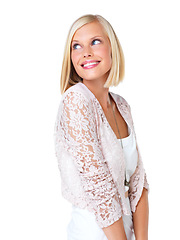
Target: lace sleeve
point(137, 183)
point(78, 129)
point(138, 180)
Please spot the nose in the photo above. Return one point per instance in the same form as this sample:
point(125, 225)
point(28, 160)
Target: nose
point(87, 52)
point(87, 55)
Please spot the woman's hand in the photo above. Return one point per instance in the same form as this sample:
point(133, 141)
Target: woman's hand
point(115, 231)
point(141, 216)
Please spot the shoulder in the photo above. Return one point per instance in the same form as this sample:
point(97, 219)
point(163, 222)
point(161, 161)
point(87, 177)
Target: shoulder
point(77, 98)
point(120, 100)
point(77, 91)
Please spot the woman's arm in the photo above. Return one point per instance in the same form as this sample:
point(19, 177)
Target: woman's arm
point(115, 231)
point(140, 217)
point(76, 132)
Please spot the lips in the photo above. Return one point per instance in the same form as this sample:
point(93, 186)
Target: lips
point(89, 64)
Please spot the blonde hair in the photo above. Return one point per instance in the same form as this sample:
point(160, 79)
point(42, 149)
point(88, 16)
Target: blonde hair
point(69, 77)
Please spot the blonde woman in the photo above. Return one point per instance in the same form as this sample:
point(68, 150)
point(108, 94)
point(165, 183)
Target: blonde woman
point(100, 165)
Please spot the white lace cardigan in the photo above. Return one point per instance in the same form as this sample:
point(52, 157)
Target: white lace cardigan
point(90, 158)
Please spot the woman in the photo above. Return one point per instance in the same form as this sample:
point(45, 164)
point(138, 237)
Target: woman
point(101, 168)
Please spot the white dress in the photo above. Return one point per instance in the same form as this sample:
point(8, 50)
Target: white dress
point(83, 225)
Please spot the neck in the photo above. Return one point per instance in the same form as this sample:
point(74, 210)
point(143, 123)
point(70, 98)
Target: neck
point(101, 93)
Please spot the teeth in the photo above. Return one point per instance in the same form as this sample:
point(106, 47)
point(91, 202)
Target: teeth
point(89, 64)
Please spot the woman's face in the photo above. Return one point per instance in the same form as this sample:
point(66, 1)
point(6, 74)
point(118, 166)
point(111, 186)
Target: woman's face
point(91, 52)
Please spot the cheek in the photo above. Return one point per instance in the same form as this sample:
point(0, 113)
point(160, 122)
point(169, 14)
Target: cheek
point(110, 56)
point(73, 59)
point(107, 55)
point(105, 51)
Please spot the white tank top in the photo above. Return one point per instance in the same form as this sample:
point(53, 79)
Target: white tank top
point(130, 154)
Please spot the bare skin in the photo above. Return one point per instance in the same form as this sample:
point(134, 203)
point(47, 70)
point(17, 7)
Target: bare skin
point(140, 217)
point(115, 231)
point(90, 43)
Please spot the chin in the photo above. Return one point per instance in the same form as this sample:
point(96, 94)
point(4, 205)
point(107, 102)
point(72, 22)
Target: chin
point(92, 77)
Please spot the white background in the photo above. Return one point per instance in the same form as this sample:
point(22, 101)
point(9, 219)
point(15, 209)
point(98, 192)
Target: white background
point(33, 35)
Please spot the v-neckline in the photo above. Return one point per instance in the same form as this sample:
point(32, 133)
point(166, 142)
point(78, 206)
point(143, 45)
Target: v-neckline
point(117, 106)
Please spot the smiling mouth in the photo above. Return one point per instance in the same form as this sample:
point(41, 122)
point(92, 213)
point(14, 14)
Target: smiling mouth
point(90, 64)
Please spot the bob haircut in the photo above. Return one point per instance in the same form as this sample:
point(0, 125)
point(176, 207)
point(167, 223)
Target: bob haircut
point(69, 77)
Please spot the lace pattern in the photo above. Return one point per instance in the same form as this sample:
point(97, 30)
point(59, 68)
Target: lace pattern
point(79, 133)
point(90, 158)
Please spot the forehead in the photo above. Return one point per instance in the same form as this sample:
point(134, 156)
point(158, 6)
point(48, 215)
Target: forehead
point(88, 31)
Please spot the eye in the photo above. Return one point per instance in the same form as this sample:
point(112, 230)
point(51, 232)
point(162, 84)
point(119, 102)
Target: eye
point(96, 41)
point(76, 46)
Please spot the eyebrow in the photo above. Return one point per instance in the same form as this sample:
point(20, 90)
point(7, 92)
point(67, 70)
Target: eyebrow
point(90, 38)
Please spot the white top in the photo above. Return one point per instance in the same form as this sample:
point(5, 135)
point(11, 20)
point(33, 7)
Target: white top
point(130, 154)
